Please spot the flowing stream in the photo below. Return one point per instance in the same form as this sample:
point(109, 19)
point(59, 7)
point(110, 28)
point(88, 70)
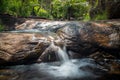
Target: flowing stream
point(62, 54)
point(65, 69)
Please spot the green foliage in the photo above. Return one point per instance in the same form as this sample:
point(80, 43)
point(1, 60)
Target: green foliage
point(56, 9)
point(87, 17)
point(41, 12)
point(69, 8)
point(17, 7)
point(102, 16)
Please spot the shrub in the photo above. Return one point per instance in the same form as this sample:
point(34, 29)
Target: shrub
point(41, 12)
point(69, 8)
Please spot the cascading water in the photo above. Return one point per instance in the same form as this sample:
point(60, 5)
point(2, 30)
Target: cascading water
point(63, 55)
point(61, 52)
point(68, 68)
point(65, 69)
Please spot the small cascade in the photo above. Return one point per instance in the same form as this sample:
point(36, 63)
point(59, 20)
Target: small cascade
point(67, 68)
point(62, 54)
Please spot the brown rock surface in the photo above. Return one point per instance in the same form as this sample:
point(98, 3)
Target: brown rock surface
point(20, 47)
point(83, 38)
point(91, 37)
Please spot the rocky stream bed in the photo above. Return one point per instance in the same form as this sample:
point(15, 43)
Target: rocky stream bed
point(26, 50)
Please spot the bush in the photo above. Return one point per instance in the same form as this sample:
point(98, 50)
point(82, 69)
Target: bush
point(17, 7)
point(60, 9)
point(86, 17)
point(70, 9)
point(101, 17)
point(41, 12)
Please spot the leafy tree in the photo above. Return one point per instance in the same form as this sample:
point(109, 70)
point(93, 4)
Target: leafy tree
point(61, 9)
point(17, 7)
point(69, 8)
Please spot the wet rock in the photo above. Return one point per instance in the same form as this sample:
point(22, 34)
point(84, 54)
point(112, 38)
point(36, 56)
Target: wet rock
point(88, 38)
point(108, 63)
point(114, 67)
point(52, 26)
point(6, 74)
point(113, 73)
point(80, 38)
point(19, 48)
point(71, 36)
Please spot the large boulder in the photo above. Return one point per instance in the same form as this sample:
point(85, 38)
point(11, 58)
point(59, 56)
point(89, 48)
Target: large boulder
point(81, 39)
point(20, 48)
point(88, 38)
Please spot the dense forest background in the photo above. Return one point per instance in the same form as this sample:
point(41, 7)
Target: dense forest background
point(61, 9)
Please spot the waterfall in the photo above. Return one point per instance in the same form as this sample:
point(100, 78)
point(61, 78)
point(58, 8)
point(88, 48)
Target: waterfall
point(62, 54)
point(68, 69)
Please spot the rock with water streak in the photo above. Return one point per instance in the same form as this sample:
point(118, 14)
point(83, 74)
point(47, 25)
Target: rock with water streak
point(38, 25)
point(87, 38)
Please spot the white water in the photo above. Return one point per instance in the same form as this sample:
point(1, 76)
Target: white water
point(67, 69)
point(63, 55)
point(79, 69)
